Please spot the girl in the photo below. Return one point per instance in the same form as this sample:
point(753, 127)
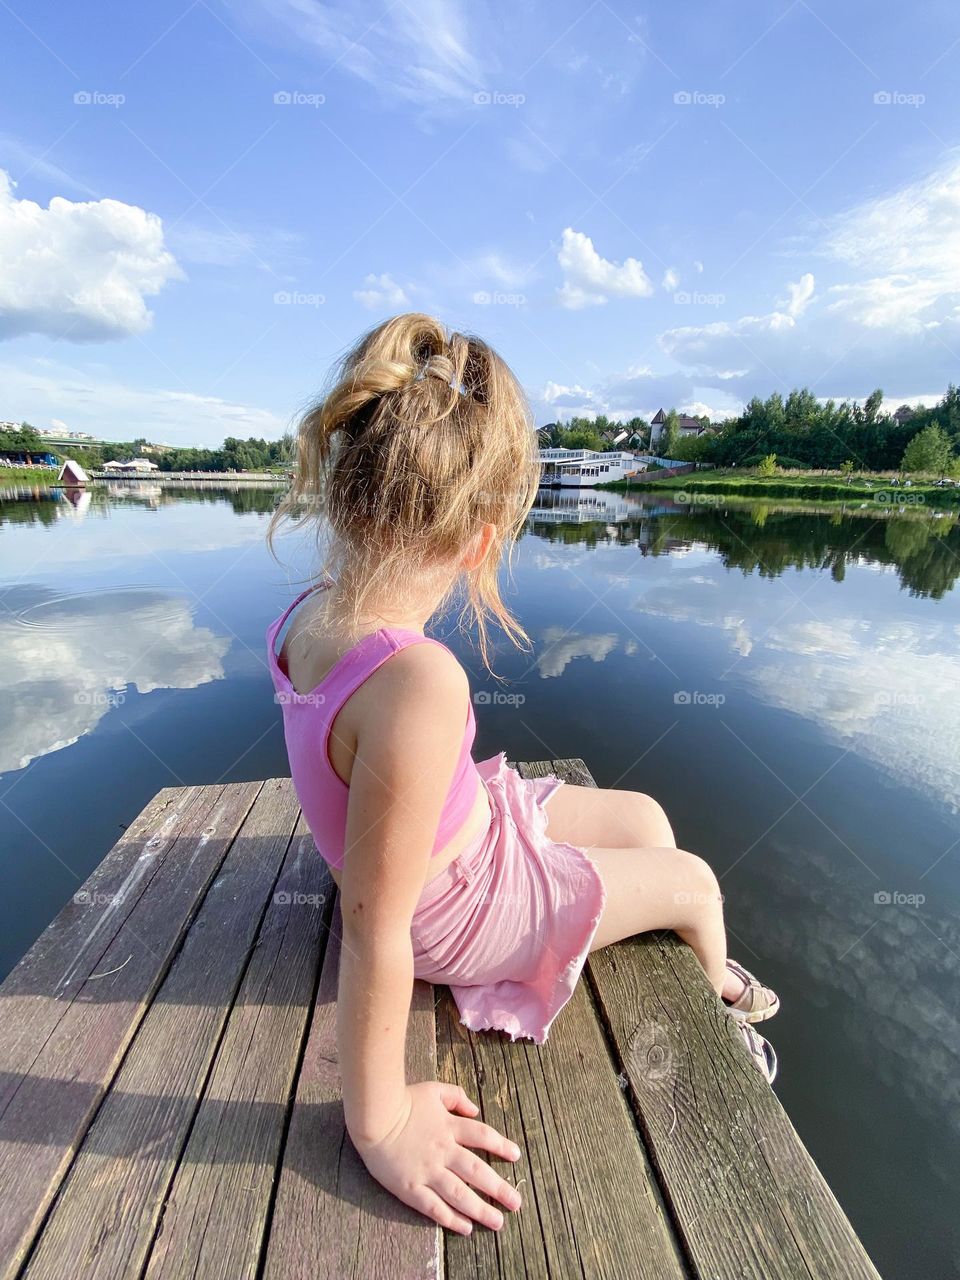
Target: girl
point(422, 461)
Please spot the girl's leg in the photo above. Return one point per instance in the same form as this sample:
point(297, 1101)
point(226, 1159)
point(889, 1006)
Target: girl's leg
point(650, 884)
point(664, 889)
point(609, 818)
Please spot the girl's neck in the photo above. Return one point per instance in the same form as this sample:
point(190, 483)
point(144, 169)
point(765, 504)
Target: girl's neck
point(410, 613)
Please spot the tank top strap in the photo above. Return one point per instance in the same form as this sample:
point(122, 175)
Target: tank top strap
point(358, 664)
point(276, 627)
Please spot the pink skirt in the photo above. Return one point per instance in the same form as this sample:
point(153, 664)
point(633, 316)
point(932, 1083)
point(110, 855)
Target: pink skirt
point(509, 923)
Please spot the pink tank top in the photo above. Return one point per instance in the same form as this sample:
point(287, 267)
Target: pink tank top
point(307, 721)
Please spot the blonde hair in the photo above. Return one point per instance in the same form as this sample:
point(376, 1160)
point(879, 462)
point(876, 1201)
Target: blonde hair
point(423, 437)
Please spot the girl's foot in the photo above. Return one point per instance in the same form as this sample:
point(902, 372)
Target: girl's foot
point(746, 998)
point(761, 1052)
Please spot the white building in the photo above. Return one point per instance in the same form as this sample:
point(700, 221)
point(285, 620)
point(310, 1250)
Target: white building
point(136, 466)
point(580, 468)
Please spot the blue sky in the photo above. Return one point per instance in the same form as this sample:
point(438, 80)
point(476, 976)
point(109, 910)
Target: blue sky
point(206, 202)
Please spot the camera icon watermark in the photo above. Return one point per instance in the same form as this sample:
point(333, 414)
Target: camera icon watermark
point(100, 698)
point(483, 298)
point(282, 898)
point(899, 498)
point(286, 298)
point(93, 898)
point(896, 98)
point(695, 498)
point(296, 98)
point(484, 698)
point(697, 698)
point(94, 98)
point(684, 298)
point(495, 98)
point(894, 898)
point(290, 698)
point(697, 98)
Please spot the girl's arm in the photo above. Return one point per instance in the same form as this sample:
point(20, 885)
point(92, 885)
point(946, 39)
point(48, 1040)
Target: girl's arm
point(415, 1139)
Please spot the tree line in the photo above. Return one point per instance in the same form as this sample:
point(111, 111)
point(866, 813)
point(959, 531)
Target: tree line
point(252, 454)
point(798, 431)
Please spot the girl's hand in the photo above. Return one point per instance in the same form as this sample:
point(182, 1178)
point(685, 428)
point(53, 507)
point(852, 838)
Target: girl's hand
point(426, 1162)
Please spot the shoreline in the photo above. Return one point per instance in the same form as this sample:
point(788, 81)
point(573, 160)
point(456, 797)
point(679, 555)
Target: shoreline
point(879, 492)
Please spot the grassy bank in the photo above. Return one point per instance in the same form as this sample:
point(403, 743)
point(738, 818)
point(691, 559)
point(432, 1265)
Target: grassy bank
point(875, 489)
point(11, 476)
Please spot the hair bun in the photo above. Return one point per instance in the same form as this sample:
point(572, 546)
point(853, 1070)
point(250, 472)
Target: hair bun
point(440, 366)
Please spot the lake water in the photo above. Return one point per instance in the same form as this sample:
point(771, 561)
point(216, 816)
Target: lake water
point(785, 684)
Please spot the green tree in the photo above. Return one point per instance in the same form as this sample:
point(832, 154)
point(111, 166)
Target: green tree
point(929, 450)
point(669, 435)
point(767, 465)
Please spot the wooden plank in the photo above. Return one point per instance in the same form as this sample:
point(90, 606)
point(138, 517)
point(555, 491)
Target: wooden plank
point(747, 1198)
point(591, 1206)
point(40, 989)
point(216, 1212)
point(106, 1212)
point(70, 1009)
point(331, 1218)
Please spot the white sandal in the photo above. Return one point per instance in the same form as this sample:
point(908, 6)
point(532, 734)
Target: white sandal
point(762, 1053)
point(755, 1003)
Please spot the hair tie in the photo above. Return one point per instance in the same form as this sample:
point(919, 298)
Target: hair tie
point(441, 366)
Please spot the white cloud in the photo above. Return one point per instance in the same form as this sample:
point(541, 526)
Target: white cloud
point(909, 244)
point(228, 247)
point(60, 678)
point(79, 271)
point(419, 53)
point(590, 280)
point(723, 344)
point(637, 392)
point(43, 390)
point(670, 280)
point(381, 293)
point(798, 296)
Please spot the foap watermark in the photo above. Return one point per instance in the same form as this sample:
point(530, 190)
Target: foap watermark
point(286, 298)
point(899, 498)
point(290, 698)
point(894, 898)
point(484, 698)
point(696, 698)
point(896, 98)
point(482, 298)
point(95, 98)
point(282, 898)
point(496, 98)
point(695, 499)
point(297, 98)
point(697, 98)
point(898, 698)
point(684, 298)
point(100, 698)
point(92, 898)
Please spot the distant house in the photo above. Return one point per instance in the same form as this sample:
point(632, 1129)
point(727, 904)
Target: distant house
point(904, 414)
point(72, 475)
point(686, 426)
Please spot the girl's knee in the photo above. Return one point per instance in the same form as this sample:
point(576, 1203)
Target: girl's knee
point(699, 892)
point(650, 822)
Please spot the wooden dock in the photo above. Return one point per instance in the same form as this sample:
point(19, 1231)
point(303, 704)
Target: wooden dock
point(170, 1101)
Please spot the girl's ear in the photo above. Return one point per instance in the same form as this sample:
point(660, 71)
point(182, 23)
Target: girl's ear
point(479, 546)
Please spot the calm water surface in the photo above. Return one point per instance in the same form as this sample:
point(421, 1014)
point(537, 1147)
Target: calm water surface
point(785, 684)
